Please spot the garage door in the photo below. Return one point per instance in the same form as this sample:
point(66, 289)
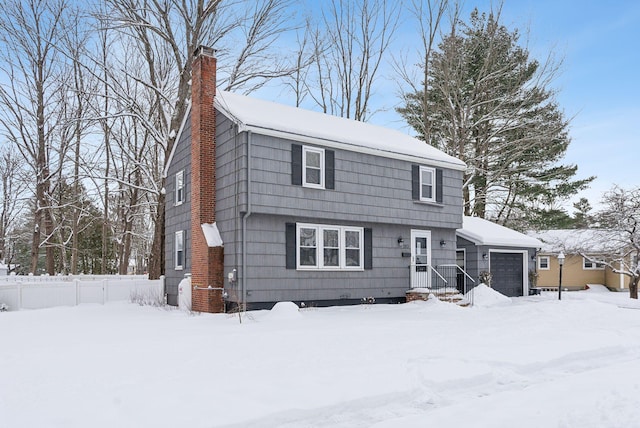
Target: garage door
point(507, 273)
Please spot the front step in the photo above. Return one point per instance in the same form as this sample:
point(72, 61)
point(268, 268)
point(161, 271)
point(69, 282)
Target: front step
point(449, 295)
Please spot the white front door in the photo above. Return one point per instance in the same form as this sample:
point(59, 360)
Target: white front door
point(420, 258)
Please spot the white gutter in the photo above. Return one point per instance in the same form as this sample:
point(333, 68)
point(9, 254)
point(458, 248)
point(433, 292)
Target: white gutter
point(244, 224)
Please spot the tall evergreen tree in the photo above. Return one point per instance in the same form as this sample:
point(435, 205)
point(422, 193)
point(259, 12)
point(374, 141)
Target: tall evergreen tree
point(490, 105)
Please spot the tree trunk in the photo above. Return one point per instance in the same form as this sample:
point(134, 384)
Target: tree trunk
point(156, 256)
point(633, 287)
point(35, 239)
point(125, 253)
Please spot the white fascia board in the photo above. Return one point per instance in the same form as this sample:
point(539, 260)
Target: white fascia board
point(175, 142)
point(489, 241)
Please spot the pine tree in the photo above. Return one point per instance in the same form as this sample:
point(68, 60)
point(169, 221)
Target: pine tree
point(490, 105)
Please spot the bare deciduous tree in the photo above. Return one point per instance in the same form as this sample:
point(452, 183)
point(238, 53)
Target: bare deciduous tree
point(620, 238)
point(349, 46)
point(29, 33)
point(428, 15)
point(12, 187)
point(165, 34)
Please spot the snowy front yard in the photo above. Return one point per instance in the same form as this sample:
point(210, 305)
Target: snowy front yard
point(536, 362)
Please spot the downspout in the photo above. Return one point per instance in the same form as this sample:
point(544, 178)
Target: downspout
point(244, 225)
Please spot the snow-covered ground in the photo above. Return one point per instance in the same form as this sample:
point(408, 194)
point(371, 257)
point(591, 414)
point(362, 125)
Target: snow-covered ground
point(531, 362)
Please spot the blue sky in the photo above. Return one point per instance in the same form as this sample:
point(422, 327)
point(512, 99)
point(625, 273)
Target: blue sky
point(598, 86)
point(599, 82)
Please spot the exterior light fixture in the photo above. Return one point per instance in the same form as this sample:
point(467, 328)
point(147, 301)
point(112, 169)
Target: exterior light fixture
point(400, 241)
point(443, 243)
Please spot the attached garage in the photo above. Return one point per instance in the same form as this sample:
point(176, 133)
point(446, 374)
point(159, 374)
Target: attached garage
point(507, 272)
point(505, 253)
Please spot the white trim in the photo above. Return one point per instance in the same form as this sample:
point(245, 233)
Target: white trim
point(175, 142)
point(464, 251)
point(432, 171)
point(464, 264)
point(593, 263)
point(320, 151)
point(458, 166)
point(539, 266)
point(525, 266)
point(177, 266)
point(179, 177)
point(420, 233)
point(349, 147)
point(342, 249)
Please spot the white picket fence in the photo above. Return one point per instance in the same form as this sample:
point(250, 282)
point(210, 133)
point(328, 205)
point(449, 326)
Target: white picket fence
point(37, 292)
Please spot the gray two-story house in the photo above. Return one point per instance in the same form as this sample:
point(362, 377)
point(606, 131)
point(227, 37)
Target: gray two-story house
point(310, 207)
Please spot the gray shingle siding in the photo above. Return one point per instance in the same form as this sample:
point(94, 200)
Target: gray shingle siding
point(178, 217)
point(370, 192)
point(367, 188)
point(269, 281)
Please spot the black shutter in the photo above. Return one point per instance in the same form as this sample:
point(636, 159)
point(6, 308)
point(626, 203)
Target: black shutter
point(368, 248)
point(296, 164)
point(329, 169)
point(439, 185)
point(290, 239)
point(415, 182)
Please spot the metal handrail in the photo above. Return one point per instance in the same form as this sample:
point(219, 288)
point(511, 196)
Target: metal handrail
point(438, 273)
point(461, 270)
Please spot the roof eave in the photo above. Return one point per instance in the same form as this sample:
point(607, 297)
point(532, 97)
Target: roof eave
point(459, 166)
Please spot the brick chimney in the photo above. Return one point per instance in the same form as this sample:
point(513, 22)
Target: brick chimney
point(207, 264)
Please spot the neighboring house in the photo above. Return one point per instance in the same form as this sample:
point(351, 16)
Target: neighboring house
point(309, 207)
point(508, 255)
point(577, 271)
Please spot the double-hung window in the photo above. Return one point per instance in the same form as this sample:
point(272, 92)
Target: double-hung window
point(543, 262)
point(179, 250)
point(328, 247)
point(313, 167)
point(427, 184)
point(591, 265)
point(179, 187)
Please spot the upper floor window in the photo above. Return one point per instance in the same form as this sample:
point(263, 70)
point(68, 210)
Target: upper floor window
point(179, 187)
point(313, 167)
point(329, 247)
point(543, 262)
point(179, 250)
point(427, 184)
point(591, 265)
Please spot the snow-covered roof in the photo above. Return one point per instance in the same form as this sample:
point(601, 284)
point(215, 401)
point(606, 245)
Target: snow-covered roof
point(269, 118)
point(576, 240)
point(485, 232)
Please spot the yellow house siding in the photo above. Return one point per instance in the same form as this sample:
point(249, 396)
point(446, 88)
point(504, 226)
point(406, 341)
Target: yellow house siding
point(573, 274)
point(616, 280)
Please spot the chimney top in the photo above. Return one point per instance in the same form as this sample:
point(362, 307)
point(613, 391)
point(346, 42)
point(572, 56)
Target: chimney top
point(205, 51)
